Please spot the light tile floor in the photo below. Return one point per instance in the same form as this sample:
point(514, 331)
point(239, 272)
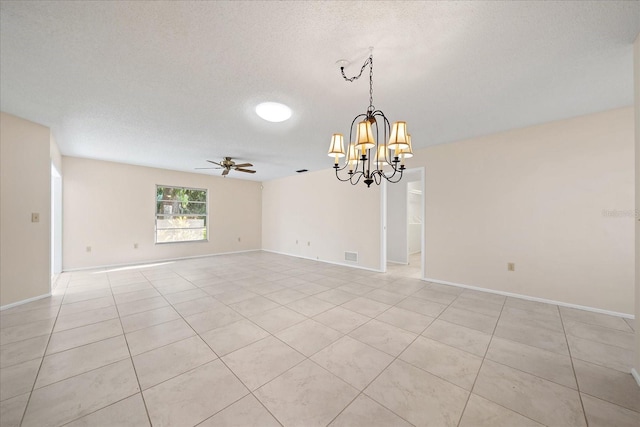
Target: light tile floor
point(259, 339)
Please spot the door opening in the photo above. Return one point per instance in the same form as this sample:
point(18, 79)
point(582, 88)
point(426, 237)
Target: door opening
point(56, 225)
point(404, 212)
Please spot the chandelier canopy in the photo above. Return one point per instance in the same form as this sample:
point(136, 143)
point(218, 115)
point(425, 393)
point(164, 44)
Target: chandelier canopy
point(367, 155)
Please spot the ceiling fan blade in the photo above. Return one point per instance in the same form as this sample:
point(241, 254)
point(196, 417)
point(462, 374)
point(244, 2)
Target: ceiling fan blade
point(243, 165)
point(225, 172)
point(245, 170)
point(207, 168)
point(215, 163)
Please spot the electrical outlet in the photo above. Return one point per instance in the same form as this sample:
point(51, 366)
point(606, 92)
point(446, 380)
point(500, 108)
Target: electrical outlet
point(135, 246)
point(296, 241)
point(308, 243)
point(511, 266)
point(238, 239)
point(35, 217)
point(88, 248)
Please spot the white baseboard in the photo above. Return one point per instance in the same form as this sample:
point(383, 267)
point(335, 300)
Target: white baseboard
point(530, 298)
point(636, 376)
point(325, 261)
point(24, 301)
point(153, 261)
point(396, 262)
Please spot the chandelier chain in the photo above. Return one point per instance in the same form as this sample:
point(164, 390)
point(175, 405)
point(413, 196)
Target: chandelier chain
point(369, 62)
point(371, 108)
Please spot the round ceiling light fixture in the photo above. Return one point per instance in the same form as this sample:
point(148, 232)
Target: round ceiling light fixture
point(273, 111)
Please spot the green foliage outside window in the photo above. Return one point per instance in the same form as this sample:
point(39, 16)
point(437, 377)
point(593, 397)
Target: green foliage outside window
point(181, 214)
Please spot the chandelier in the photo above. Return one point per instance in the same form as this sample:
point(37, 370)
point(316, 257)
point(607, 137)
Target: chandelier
point(367, 155)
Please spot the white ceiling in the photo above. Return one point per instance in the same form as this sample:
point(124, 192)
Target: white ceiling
point(170, 84)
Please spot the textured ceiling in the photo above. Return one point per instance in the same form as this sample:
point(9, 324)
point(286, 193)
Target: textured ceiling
point(170, 84)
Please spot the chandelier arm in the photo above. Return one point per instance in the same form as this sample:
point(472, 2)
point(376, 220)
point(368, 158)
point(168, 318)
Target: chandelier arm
point(338, 168)
point(396, 169)
point(377, 163)
point(390, 177)
point(359, 174)
point(378, 177)
point(356, 118)
point(341, 168)
point(397, 180)
point(385, 126)
point(338, 176)
point(387, 133)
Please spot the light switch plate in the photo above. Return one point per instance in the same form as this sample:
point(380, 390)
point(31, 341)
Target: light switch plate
point(35, 217)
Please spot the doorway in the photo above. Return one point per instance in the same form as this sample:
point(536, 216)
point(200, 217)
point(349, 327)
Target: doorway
point(404, 212)
point(56, 225)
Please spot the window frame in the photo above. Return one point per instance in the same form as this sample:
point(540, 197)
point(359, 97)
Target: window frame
point(156, 214)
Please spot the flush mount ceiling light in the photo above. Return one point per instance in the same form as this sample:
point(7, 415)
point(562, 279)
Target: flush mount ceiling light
point(273, 111)
point(367, 154)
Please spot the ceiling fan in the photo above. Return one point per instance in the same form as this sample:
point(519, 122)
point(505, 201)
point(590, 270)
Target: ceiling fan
point(228, 165)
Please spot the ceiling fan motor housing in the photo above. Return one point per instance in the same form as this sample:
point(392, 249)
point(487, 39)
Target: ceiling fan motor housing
point(228, 164)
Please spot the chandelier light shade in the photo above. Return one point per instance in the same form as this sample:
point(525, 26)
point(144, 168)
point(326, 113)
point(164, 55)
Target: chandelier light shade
point(372, 138)
point(381, 156)
point(336, 149)
point(364, 136)
point(399, 138)
point(405, 153)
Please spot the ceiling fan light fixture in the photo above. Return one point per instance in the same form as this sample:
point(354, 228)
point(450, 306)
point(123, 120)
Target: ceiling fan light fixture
point(273, 112)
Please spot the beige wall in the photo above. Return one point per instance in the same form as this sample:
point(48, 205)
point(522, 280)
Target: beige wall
point(111, 206)
point(636, 84)
point(334, 216)
point(535, 197)
point(25, 187)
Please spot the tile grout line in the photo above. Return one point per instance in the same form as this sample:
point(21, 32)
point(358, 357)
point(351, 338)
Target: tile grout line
point(35, 379)
point(593, 340)
point(496, 362)
point(504, 303)
point(573, 368)
point(305, 358)
point(99, 409)
point(133, 365)
point(482, 362)
point(361, 392)
point(297, 364)
point(221, 361)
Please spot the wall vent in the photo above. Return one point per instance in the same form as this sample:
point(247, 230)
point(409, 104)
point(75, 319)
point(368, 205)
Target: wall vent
point(351, 256)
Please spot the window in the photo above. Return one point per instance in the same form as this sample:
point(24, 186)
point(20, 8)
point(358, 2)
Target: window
point(181, 214)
